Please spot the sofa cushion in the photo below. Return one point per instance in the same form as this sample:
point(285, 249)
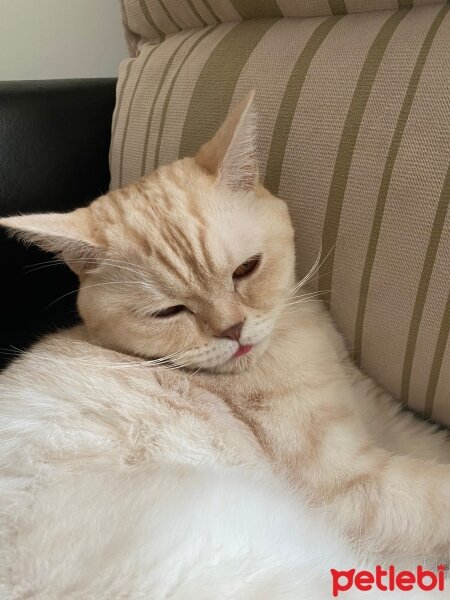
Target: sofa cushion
point(150, 20)
point(354, 132)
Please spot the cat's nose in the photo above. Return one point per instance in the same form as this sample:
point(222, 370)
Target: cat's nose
point(233, 332)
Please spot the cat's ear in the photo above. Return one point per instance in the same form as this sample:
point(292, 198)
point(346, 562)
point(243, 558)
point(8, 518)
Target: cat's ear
point(231, 154)
point(70, 235)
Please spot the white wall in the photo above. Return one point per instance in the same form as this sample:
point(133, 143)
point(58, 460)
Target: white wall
point(51, 39)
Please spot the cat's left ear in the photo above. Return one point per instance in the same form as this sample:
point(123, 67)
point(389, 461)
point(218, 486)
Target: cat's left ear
point(231, 154)
point(69, 235)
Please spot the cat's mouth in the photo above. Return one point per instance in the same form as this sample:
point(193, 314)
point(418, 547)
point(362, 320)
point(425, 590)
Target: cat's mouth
point(244, 349)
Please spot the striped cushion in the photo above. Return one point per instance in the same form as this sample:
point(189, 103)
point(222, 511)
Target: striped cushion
point(152, 20)
point(355, 135)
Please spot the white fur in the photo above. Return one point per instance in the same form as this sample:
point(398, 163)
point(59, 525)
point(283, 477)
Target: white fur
point(109, 492)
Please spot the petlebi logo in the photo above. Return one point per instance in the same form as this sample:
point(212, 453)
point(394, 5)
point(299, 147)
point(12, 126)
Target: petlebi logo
point(388, 580)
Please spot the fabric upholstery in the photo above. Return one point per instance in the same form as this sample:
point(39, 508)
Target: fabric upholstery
point(150, 20)
point(354, 132)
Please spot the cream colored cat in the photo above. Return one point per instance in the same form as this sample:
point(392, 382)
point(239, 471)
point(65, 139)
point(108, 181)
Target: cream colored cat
point(203, 434)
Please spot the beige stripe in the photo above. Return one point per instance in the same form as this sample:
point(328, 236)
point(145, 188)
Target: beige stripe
point(347, 145)
point(309, 8)
point(185, 13)
point(130, 36)
point(295, 34)
point(263, 9)
point(122, 83)
point(437, 364)
point(142, 96)
point(159, 13)
point(137, 26)
point(422, 290)
point(317, 127)
point(429, 332)
point(163, 4)
point(214, 88)
point(204, 13)
point(441, 408)
point(128, 113)
point(289, 103)
point(368, 162)
point(337, 7)
point(359, 6)
point(387, 175)
point(429, 2)
point(224, 10)
point(168, 94)
point(197, 13)
point(170, 16)
point(148, 17)
point(156, 98)
point(414, 190)
point(182, 92)
point(211, 10)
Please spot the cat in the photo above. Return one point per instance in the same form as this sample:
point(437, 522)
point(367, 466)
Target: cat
point(203, 433)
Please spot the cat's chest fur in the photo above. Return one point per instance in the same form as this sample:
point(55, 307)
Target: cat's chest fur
point(158, 467)
point(160, 461)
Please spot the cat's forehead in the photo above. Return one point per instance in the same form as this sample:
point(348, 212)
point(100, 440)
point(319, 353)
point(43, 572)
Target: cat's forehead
point(178, 222)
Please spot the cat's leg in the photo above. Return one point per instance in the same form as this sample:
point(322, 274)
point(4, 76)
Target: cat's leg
point(395, 428)
point(386, 505)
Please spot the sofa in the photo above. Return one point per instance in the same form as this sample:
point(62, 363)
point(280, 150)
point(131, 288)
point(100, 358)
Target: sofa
point(54, 146)
point(354, 132)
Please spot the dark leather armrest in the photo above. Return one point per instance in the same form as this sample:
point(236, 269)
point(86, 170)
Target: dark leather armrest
point(54, 143)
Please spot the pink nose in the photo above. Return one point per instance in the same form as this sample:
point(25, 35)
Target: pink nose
point(233, 332)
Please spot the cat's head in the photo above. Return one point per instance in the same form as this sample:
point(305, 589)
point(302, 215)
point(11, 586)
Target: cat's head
point(192, 262)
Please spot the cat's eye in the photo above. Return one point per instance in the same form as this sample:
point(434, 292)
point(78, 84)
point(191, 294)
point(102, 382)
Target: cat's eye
point(247, 267)
point(170, 311)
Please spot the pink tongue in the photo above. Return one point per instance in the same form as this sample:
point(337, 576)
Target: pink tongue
point(242, 350)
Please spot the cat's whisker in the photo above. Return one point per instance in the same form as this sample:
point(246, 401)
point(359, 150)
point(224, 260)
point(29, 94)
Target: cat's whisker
point(316, 266)
point(307, 295)
point(6, 352)
point(294, 309)
point(312, 269)
point(162, 361)
point(57, 260)
point(318, 277)
point(297, 299)
point(109, 262)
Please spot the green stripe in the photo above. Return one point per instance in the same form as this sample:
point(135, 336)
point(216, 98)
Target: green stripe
point(150, 21)
point(338, 7)
point(127, 118)
point(438, 357)
point(212, 11)
point(262, 9)
point(196, 13)
point(387, 175)
point(347, 144)
point(118, 108)
point(170, 90)
point(214, 89)
point(405, 4)
point(289, 102)
point(427, 269)
point(169, 16)
point(161, 82)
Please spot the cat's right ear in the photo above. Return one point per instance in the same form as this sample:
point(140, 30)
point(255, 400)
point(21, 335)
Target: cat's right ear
point(69, 235)
point(231, 154)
